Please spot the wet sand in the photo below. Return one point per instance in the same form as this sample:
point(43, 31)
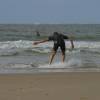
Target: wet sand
point(50, 86)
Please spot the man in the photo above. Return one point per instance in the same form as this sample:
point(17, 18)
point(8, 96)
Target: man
point(58, 40)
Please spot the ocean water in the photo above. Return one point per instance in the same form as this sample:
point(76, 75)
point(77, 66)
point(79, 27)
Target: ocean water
point(19, 55)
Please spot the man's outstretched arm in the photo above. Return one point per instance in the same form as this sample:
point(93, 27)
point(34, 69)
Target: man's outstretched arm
point(72, 44)
point(38, 42)
point(70, 39)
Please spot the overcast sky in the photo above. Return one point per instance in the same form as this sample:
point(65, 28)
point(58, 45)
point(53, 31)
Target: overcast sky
point(49, 11)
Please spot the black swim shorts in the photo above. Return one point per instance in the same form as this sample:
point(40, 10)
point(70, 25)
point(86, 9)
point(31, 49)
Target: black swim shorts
point(62, 47)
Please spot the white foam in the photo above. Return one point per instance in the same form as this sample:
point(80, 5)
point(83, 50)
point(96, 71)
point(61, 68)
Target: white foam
point(16, 44)
point(55, 65)
point(14, 66)
point(72, 63)
point(46, 47)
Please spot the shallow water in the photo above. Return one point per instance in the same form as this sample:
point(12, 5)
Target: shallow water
point(18, 55)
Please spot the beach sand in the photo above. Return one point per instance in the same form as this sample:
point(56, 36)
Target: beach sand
point(50, 86)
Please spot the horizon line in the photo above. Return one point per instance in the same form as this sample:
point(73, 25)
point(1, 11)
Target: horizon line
point(46, 23)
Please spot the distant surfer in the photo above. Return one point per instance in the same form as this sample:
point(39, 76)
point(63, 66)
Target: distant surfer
point(58, 40)
point(37, 33)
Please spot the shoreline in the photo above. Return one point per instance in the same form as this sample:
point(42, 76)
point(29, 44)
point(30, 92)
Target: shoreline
point(33, 71)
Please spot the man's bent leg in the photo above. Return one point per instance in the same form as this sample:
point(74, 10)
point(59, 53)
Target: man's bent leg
point(63, 52)
point(52, 56)
point(63, 57)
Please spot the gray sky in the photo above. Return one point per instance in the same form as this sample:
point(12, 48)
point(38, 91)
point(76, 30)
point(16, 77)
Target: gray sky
point(49, 11)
